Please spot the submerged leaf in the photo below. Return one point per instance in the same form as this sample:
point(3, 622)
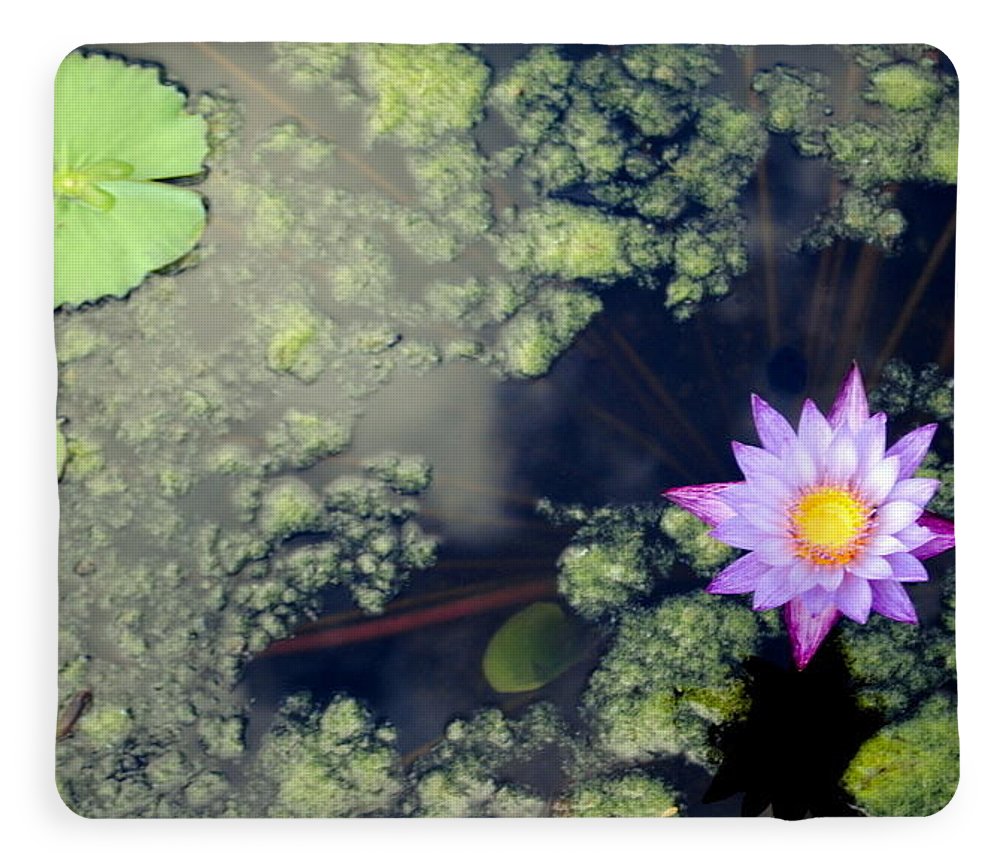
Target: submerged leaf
point(531, 649)
point(117, 130)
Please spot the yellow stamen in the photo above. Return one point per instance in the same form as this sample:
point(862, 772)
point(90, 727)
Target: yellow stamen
point(829, 525)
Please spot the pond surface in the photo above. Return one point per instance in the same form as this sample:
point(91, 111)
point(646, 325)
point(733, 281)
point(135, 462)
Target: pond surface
point(638, 402)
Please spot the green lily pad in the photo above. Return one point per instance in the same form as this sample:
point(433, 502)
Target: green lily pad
point(118, 131)
point(532, 648)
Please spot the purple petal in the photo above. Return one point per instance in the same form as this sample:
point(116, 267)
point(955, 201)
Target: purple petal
point(764, 517)
point(754, 461)
point(870, 442)
point(807, 630)
point(740, 576)
point(890, 599)
point(854, 598)
point(829, 577)
point(882, 545)
point(906, 567)
point(738, 532)
point(814, 431)
point(916, 490)
point(798, 467)
point(817, 599)
point(897, 515)
point(774, 550)
point(774, 431)
point(803, 576)
point(879, 480)
point(912, 448)
point(703, 501)
point(743, 497)
point(841, 458)
point(773, 590)
point(944, 535)
point(914, 536)
point(870, 566)
point(851, 402)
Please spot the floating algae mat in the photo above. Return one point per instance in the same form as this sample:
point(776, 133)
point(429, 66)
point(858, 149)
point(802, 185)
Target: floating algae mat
point(505, 430)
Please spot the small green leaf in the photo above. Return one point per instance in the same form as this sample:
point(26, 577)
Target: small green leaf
point(100, 252)
point(532, 648)
point(110, 111)
point(118, 130)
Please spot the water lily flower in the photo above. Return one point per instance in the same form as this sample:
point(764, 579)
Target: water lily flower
point(833, 521)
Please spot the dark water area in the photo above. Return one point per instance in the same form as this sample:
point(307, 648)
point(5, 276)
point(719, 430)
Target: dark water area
point(641, 403)
point(791, 751)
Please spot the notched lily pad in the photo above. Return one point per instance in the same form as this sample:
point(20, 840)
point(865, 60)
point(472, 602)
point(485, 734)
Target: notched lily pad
point(532, 648)
point(118, 131)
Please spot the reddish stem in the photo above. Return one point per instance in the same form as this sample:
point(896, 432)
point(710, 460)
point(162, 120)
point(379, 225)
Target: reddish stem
point(384, 626)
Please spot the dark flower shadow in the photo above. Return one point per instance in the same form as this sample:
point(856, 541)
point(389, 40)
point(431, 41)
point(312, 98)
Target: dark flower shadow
point(788, 755)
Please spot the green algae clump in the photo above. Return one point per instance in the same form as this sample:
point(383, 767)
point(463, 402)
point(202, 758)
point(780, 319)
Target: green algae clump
point(422, 91)
point(595, 577)
point(795, 100)
point(706, 556)
point(450, 180)
point(296, 345)
point(334, 764)
point(402, 474)
point(613, 561)
point(910, 768)
point(308, 152)
point(706, 254)
point(303, 439)
point(372, 544)
point(542, 330)
point(532, 95)
point(289, 508)
point(570, 242)
point(76, 342)
point(942, 147)
point(894, 665)
point(106, 726)
point(905, 87)
point(670, 676)
point(632, 795)
point(903, 389)
point(860, 215)
point(310, 65)
point(463, 775)
point(674, 66)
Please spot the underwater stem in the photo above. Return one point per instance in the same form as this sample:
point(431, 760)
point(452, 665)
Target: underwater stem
point(770, 265)
point(656, 386)
point(652, 447)
point(287, 108)
point(862, 292)
point(386, 626)
point(943, 244)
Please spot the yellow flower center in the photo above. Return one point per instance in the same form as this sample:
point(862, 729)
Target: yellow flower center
point(829, 525)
